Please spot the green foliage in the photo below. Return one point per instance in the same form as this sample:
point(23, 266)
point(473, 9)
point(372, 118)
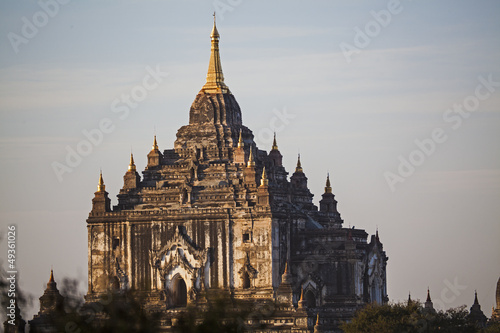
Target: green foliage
point(409, 318)
point(123, 312)
point(117, 312)
point(222, 314)
point(493, 328)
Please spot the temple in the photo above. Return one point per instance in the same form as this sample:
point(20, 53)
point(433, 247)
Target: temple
point(216, 213)
point(215, 216)
point(52, 313)
point(476, 315)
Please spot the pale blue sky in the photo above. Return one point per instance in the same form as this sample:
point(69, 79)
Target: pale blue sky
point(353, 119)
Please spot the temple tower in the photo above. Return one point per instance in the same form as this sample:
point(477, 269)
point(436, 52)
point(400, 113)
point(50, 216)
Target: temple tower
point(216, 214)
point(51, 314)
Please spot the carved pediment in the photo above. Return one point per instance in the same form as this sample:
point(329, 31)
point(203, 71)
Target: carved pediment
point(247, 267)
point(179, 251)
point(179, 241)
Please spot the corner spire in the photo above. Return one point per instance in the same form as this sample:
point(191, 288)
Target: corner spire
point(101, 187)
point(328, 187)
point(264, 181)
point(51, 285)
point(214, 33)
point(429, 306)
point(251, 161)
point(475, 297)
point(131, 166)
point(317, 325)
point(286, 277)
point(155, 144)
point(240, 141)
point(215, 78)
point(100, 202)
point(299, 166)
point(275, 146)
point(301, 303)
point(317, 321)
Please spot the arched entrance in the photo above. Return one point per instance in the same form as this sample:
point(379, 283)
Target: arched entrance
point(115, 283)
point(246, 280)
point(179, 292)
point(310, 299)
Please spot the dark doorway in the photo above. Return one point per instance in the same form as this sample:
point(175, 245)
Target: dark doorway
point(310, 299)
point(179, 292)
point(246, 280)
point(115, 283)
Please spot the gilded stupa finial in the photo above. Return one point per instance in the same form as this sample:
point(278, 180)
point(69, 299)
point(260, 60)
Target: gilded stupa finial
point(214, 33)
point(215, 78)
point(275, 145)
point(101, 187)
point(155, 144)
point(299, 165)
point(51, 285)
point(264, 181)
point(328, 187)
point(240, 141)
point(251, 161)
point(131, 166)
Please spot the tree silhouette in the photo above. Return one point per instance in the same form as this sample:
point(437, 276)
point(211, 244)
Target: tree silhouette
point(411, 317)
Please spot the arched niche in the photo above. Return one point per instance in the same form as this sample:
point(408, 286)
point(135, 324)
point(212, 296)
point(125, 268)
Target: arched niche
point(179, 292)
point(246, 281)
point(310, 299)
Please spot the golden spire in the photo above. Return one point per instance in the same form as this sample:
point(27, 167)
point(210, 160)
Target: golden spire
point(264, 181)
point(131, 166)
point(317, 320)
point(301, 303)
point(275, 146)
point(215, 78)
point(328, 187)
point(51, 276)
point(299, 166)
point(251, 162)
point(101, 187)
point(51, 285)
point(240, 141)
point(155, 144)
